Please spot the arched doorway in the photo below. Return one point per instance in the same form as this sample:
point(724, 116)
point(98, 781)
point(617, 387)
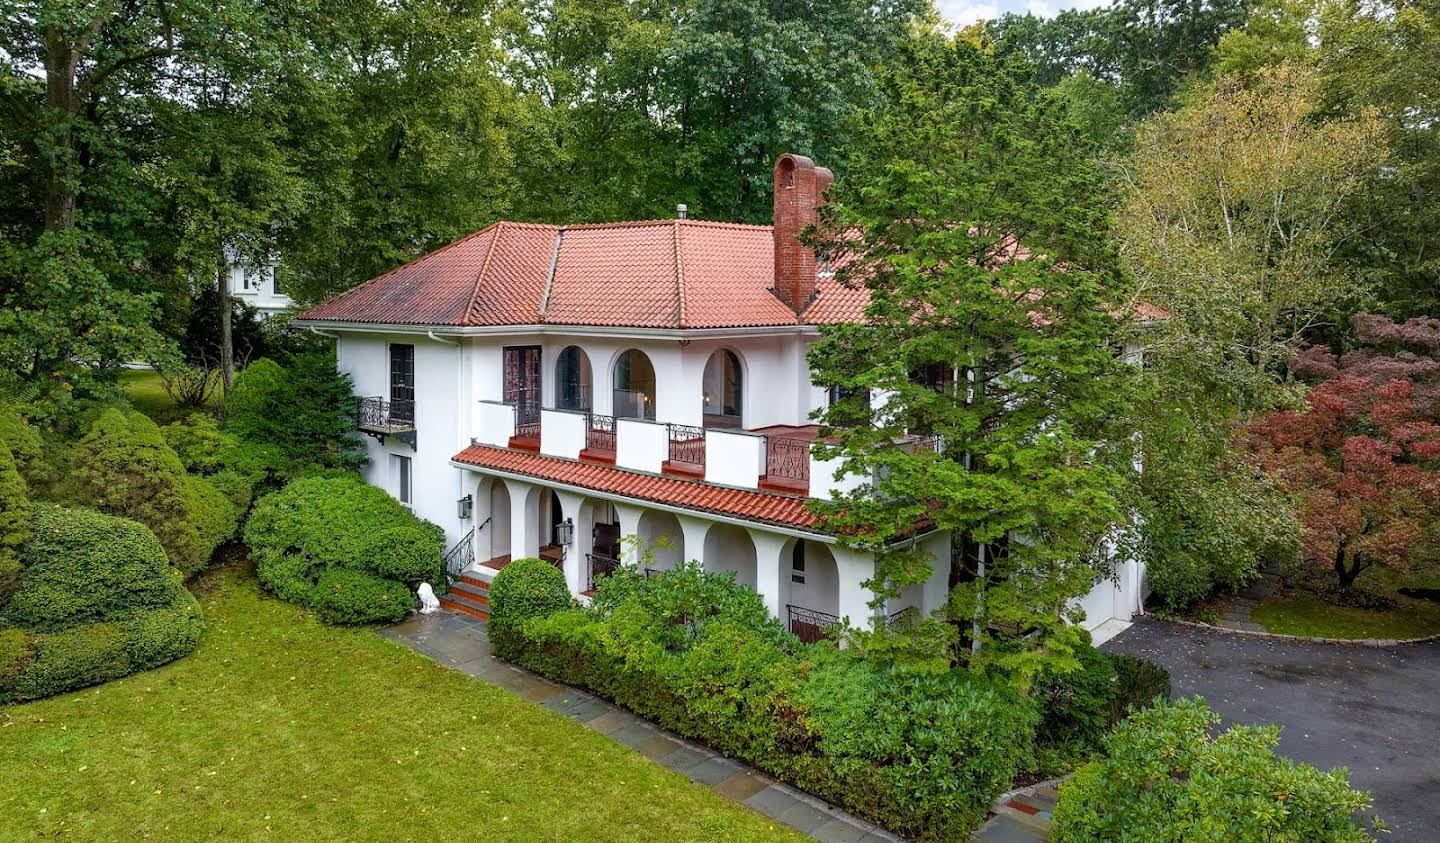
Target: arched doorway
point(634, 386)
point(729, 549)
point(660, 533)
point(572, 380)
point(724, 390)
point(499, 526)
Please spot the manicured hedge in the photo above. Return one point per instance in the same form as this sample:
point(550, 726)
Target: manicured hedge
point(97, 600)
point(317, 525)
point(919, 753)
point(530, 588)
point(15, 515)
point(125, 467)
point(1165, 776)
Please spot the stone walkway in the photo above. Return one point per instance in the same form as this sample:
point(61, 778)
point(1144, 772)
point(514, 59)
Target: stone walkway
point(1237, 611)
point(462, 643)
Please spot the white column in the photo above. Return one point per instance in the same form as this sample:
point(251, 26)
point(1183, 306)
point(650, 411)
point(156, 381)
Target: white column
point(574, 507)
point(855, 567)
point(772, 570)
point(629, 517)
point(524, 519)
point(936, 591)
point(693, 532)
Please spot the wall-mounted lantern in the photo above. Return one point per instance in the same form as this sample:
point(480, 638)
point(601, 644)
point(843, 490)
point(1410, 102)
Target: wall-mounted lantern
point(464, 506)
point(565, 532)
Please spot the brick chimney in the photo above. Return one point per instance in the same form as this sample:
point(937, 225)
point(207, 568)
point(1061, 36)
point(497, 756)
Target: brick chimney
point(799, 187)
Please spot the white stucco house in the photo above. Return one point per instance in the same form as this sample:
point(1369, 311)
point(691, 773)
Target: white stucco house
point(543, 390)
point(255, 285)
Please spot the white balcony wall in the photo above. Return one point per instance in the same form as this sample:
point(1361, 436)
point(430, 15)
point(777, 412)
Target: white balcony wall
point(562, 433)
point(640, 445)
point(822, 478)
point(734, 459)
point(495, 423)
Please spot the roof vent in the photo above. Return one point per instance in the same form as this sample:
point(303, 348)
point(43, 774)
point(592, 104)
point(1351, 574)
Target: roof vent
point(680, 210)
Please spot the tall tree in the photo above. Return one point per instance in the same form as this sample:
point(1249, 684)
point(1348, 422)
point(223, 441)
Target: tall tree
point(976, 222)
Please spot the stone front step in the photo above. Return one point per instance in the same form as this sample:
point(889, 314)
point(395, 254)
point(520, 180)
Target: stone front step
point(465, 607)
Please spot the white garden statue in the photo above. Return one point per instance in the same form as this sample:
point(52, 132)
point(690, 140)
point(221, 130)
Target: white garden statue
point(429, 605)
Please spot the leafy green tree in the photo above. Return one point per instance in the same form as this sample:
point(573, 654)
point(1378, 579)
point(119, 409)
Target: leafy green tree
point(989, 326)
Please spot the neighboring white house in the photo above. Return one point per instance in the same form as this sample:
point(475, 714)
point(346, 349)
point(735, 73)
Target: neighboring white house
point(545, 390)
point(255, 285)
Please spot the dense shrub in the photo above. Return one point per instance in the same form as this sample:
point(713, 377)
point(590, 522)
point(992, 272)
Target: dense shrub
point(205, 449)
point(26, 447)
point(15, 514)
point(317, 524)
point(97, 600)
point(1138, 683)
point(304, 411)
point(524, 589)
point(1077, 707)
point(920, 753)
point(1165, 777)
point(344, 596)
point(125, 467)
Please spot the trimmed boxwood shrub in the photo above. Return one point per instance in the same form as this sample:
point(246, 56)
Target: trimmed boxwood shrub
point(1165, 776)
point(319, 524)
point(524, 589)
point(343, 596)
point(97, 600)
point(15, 514)
point(1138, 683)
point(26, 447)
point(304, 412)
point(923, 754)
point(124, 467)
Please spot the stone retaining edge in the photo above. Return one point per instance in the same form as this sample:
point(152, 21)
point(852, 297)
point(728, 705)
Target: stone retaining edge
point(1305, 639)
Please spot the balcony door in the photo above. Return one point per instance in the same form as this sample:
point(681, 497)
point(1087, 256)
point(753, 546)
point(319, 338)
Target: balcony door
point(522, 382)
point(402, 382)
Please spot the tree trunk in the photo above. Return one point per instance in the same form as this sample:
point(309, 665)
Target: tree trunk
point(1347, 573)
point(60, 62)
point(227, 355)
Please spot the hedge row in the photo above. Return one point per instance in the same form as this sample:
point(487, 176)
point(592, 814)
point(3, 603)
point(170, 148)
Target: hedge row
point(919, 753)
point(343, 547)
point(97, 600)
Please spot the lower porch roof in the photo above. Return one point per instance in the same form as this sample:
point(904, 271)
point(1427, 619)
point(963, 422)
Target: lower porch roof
point(761, 507)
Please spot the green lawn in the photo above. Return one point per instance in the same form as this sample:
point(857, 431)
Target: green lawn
point(1302, 613)
point(147, 393)
point(279, 728)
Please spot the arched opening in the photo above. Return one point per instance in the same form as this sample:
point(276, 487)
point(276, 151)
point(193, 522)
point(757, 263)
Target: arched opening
point(814, 608)
point(660, 534)
point(724, 390)
point(730, 549)
point(572, 380)
point(499, 526)
point(551, 516)
point(634, 386)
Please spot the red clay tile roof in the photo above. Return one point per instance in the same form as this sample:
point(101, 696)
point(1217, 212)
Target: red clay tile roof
point(651, 274)
point(782, 510)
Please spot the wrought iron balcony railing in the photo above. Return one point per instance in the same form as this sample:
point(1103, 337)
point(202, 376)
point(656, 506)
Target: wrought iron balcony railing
point(787, 458)
point(687, 444)
point(600, 433)
point(599, 568)
point(380, 418)
point(810, 625)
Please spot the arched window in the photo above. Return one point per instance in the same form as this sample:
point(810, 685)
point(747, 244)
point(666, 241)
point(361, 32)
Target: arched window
point(572, 380)
point(634, 386)
point(724, 390)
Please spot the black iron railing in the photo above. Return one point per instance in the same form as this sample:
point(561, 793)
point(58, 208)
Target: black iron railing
point(599, 568)
point(788, 458)
point(375, 413)
point(460, 557)
point(687, 444)
point(903, 618)
point(811, 626)
point(923, 442)
point(527, 420)
point(600, 433)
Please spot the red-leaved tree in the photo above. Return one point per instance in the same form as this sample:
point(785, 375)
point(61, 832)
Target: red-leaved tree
point(1363, 457)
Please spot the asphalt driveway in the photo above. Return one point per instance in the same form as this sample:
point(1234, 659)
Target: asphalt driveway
point(1375, 711)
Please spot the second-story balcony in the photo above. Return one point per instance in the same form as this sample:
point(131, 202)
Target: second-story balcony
point(380, 418)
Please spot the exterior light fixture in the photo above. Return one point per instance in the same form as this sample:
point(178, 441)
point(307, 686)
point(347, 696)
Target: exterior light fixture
point(565, 532)
point(464, 506)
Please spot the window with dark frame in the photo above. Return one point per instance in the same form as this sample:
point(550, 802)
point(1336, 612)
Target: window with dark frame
point(402, 382)
point(402, 478)
point(797, 563)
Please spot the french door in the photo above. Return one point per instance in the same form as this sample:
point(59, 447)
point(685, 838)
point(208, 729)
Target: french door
point(402, 382)
point(522, 385)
